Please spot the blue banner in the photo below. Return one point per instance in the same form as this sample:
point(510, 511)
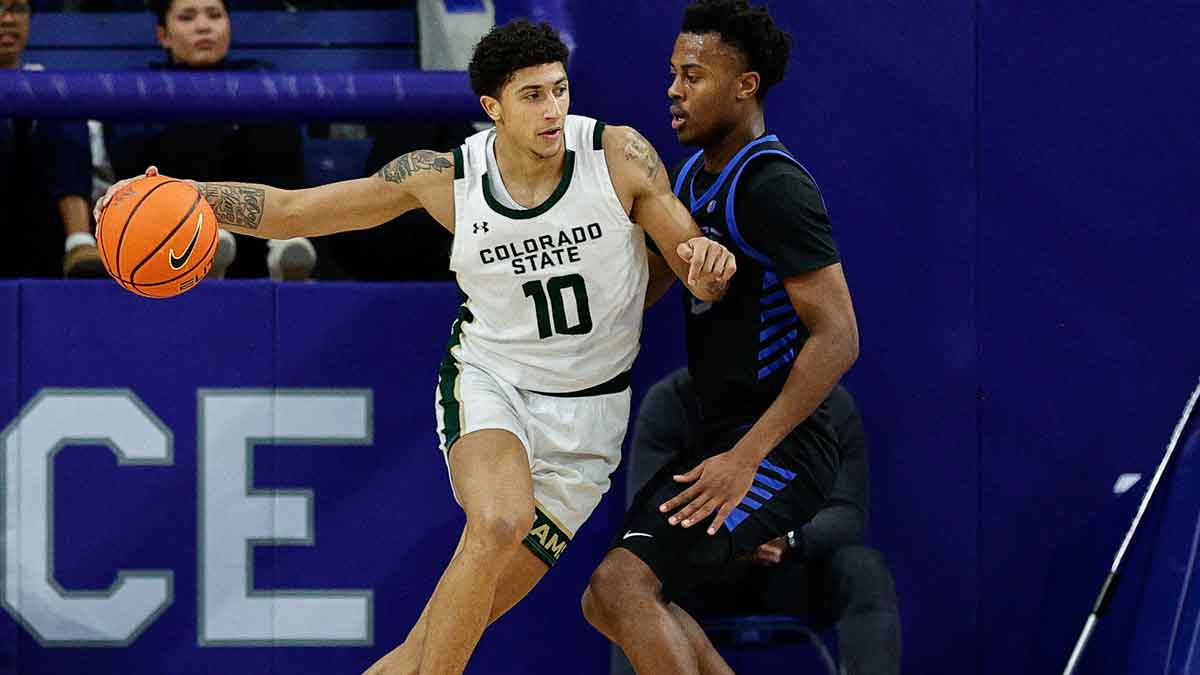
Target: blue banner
point(243, 479)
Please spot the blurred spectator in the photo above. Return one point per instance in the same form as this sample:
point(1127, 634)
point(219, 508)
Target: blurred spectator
point(45, 180)
point(234, 5)
point(412, 247)
point(196, 35)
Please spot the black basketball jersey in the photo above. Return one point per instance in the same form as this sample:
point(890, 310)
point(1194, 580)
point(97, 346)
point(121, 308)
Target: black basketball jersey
point(741, 348)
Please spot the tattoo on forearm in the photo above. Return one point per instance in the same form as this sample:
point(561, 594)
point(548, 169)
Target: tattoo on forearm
point(235, 205)
point(638, 149)
point(399, 169)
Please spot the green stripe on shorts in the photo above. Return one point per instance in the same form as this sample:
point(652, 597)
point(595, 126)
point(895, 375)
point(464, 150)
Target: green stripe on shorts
point(547, 540)
point(448, 374)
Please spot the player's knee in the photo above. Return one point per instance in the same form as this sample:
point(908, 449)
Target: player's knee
point(593, 611)
point(864, 579)
point(497, 531)
point(615, 584)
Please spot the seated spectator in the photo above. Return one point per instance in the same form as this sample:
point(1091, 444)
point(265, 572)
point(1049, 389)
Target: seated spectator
point(412, 247)
point(822, 572)
point(196, 35)
point(45, 179)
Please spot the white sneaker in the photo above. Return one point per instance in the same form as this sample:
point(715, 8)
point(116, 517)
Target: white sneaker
point(291, 259)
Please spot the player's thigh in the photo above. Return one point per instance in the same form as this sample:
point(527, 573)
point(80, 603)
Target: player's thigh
point(681, 558)
point(489, 470)
point(575, 445)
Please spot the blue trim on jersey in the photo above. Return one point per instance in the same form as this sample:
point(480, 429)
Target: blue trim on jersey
point(768, 481)
point(775, 346)
point(716, 186)
point(775, 311)
point(788, 357)
point(775, 297)
point(753, 504)
point(730, 211)
point(761, 492)
point(730, 217)
point(770, 278)
point(771, 331)
point(735, 518)
point(787, 475)
point(687, 168)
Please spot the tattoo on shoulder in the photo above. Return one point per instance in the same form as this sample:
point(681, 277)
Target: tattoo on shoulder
point(398, 170)
point(235, 205)
point(639, 150)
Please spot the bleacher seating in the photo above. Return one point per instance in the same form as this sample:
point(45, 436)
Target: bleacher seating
point(304, 41)
point(756, 632)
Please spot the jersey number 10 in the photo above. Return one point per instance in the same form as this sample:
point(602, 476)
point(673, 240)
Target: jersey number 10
point(548, 301)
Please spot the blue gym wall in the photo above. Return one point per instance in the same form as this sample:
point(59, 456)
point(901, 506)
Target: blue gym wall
point(1010, 185)
point(383, 516)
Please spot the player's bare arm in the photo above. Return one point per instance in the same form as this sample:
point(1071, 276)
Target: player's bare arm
point(661, 278)
point(821, 299)
point(419, 179)
point(641, 181)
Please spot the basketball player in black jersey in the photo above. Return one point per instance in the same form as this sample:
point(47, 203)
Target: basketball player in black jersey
point(764, 359)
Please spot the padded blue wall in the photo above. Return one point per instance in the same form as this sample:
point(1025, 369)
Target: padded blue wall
point(384, 518)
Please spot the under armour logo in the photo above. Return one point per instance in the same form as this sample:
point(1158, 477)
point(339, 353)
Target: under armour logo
point(479, 227)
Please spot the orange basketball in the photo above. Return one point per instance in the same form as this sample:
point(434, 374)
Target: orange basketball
point(157, 236)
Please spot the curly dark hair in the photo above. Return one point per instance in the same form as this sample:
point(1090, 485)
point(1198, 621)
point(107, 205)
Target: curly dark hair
point(162, 8)
point(506, 49)
point(749, 29)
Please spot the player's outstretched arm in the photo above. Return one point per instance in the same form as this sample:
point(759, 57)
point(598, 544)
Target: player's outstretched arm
point(639, 174)
point(419, 179)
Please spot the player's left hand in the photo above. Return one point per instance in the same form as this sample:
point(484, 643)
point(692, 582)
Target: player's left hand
point(710, 265)
point(719, 484)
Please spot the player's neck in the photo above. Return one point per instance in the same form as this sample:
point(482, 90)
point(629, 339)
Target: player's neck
point(15, 64)
point(526, 175)
point(719, 153)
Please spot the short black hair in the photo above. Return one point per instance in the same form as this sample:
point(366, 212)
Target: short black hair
point(750, 30)
point(506, 49)
point(162, 8)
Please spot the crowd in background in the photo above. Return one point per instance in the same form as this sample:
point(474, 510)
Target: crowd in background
point(51, 170)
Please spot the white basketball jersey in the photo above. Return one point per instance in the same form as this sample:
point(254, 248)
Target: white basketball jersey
point(554, 294)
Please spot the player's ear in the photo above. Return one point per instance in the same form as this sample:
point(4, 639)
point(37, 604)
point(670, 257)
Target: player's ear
point(491, 106)
point(747, 85)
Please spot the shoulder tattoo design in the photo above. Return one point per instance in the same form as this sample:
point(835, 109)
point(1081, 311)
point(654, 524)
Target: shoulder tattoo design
point(639, 150)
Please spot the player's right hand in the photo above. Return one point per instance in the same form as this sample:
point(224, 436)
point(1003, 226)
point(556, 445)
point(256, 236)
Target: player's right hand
point(710, 265)
point(115, 188)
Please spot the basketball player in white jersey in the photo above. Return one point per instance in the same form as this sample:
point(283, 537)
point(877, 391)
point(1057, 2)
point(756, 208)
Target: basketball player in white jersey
point(548, 212)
